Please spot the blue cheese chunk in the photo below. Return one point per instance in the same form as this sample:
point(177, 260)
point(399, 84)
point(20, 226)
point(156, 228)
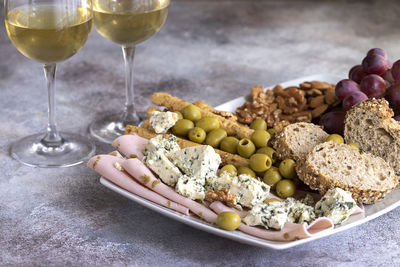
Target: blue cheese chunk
point(299, 212)
point(336, 204)
point(160, 164)
point(197, 161)
point(248, 190)
point(272, 215)
point(224, 180)
point(190, 187)
point(165, 145)
point(161, 122)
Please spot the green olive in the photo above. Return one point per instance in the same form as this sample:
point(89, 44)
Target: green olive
point(335, 138)
point(191, 112)
point(260, 162)
point(246, 148)
point(269, 200)
point(285, 188)
point(268, 151)
point(246, 171)
point(272, 131)
point(353, 144)
point(182, 127)
point(229, 144)
point(229, 169)
point(287, 168)
point(260, 138)
point(258, 124)
point(208, 124)
point(228, 220)
point(197, 135)
point(215, 137)
point(272, 176)
point(180, 116)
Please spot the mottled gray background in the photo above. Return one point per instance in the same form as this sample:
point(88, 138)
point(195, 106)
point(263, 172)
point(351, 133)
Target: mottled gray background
point(208, 50)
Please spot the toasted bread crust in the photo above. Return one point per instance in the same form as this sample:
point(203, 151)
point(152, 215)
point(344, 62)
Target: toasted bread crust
point(312, 176)
point(283, 142)
point(370, 136)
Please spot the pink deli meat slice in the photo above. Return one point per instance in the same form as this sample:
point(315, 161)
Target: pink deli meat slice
point(105, 166)
point(289, 232)
point(140, 172)
point(131, 145)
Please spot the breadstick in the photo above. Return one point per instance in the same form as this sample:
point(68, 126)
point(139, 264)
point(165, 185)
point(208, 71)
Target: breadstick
point(226, 158)
point(176, 104)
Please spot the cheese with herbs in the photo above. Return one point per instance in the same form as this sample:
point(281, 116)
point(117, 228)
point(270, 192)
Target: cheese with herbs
point(248, 190)
point(190, 187)
point(161, 122)
point(201, 162)
point(299, 212)
point(165, 145)
point(336, 204)
point(158, 162)
point(272, 215)
point(217, 182)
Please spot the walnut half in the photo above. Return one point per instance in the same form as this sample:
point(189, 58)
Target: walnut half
point(221, 195)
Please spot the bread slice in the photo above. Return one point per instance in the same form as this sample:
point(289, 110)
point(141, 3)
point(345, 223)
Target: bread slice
point(369, 124)
point(331, 165)
point(296, 140)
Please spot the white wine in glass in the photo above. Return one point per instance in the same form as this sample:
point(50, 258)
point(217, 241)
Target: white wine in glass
point(127, 23)
point(50, 31)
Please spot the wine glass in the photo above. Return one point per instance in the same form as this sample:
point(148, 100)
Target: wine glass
point(128, 23)
point(50, 31)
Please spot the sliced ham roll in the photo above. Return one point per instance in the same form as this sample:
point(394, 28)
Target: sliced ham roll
point(131, 145)
point(141, 173)
point(109, 167)
point(289, 232)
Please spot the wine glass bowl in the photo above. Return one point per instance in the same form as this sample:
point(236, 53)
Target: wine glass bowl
point(50, 31)
point(127, 23)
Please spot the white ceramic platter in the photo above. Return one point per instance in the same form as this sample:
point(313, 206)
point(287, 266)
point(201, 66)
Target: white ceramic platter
point(390, 202)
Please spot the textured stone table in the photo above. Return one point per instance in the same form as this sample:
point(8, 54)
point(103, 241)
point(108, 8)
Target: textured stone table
point(208, 50)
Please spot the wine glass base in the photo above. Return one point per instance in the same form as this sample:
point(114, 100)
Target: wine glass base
point(75, 149)
point(107, 129)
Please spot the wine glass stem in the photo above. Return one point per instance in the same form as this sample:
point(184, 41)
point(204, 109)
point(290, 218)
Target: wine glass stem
point(130, 116)
point(52, 137)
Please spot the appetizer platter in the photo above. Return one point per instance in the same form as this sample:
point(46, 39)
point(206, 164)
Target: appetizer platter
point(260, 169)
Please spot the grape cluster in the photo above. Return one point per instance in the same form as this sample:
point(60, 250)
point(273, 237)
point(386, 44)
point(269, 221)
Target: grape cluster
point(375, 77)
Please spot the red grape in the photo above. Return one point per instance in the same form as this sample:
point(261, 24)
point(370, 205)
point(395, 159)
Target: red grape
point(356, 73)
point(352, 99)
point(397, 118)
point(377, 51)
point(393, 96)
point(345, 87)
point(333, 122)
point(374, 64)
point(396, 71)
point(373, 85)
point(388, 76)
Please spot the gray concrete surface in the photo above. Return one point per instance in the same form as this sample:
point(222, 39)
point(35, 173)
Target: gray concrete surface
point(208, 50)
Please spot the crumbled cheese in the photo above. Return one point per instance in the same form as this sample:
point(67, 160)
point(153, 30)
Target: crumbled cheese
point(160, 164)
point(201, 162)
point(299, 212)
point(163, 121)
point(336, 204)
point(248, 190)
point(224, 180)
point(165, 145)
point(272, 215)
point(190, 187)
